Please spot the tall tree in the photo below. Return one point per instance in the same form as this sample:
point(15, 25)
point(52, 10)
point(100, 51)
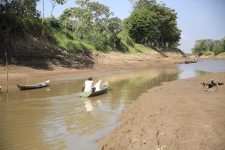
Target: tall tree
point(169, 32)
point(142, 26)
point(90, 19)
point(93, 22)
point(208, 45)
point(19, 8)
point(158, 29)
point(115, 26)
point(140, 4)
point(43, 11)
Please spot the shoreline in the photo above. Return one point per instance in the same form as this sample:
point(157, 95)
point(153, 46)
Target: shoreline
point(163, 118)
point(104, 63)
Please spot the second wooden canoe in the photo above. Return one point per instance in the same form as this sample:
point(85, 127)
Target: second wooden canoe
point(33, 86)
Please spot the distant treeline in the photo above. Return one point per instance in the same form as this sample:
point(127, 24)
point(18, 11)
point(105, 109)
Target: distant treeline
point(91, 23)
point(209, 47)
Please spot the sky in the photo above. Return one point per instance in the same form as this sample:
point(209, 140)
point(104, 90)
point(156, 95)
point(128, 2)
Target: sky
point(198, 19)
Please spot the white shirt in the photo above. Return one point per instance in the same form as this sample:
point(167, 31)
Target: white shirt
point(88, 86)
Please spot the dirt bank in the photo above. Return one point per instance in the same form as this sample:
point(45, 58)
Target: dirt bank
point(176, 115)
point(103, 63)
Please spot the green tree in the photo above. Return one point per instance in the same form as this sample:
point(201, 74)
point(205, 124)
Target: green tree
point(219, 46)
point(142, 26)
point(115, 27)
point(144, 4)
point(20, 8)
point(205, 46)
point(169, 32)
point(155, 24)
point(91, 21)
point(199, 48)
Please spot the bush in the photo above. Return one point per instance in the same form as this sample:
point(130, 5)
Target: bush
point(19, 26)
point(52, 22)
point(219, 50)
point(32, 26)
point(103, 47)
point(209, 53)
point(126, 39)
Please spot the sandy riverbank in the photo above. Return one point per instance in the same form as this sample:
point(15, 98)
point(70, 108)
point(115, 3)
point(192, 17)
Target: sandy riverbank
point(176, 115)
point(104, 62)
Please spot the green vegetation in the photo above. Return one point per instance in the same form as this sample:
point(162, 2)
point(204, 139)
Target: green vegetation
point(209, 47)
point(221, 55)
point(153, 24)
point(90, 26)
point(65, 39)
point(139, 48)
point(93, 22)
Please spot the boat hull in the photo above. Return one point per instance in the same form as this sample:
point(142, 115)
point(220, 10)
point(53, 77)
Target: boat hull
point(33, 86)
point(95, 93)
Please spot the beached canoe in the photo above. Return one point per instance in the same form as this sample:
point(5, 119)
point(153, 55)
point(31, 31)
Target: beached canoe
point(33, 86)
point(95, 93)
point(190, 61)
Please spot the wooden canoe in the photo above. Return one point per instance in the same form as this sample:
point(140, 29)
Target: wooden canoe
point(190, 61)
point(33, 86)
point(95, 93)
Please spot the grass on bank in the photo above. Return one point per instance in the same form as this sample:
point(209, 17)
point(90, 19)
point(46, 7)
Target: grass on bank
point(212, 54)
point(131, 46)
point(221, 55)
point(66, 40)
point(209, 53)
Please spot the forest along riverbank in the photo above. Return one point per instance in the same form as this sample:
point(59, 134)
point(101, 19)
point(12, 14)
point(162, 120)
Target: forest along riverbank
point(104, 62)
point(175, 115)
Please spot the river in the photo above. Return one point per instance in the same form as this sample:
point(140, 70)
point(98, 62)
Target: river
point(56, 117)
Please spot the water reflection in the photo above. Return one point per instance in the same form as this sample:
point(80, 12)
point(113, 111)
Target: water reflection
point(200, 68)
point(88, 106)
point(55, 89)
point(56, 118)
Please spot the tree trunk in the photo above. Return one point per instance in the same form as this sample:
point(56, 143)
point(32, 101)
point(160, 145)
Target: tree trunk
point(53, 7)
point(43, 9)
point(162, 43)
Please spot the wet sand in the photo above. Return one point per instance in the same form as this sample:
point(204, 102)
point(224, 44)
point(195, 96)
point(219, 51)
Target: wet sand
point(175, 115)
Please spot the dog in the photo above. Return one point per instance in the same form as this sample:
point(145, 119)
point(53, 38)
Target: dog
point(211, 84)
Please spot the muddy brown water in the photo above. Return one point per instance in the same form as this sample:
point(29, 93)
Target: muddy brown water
point(56, 117)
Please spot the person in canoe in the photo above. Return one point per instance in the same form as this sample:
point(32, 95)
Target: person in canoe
point(88, 85)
